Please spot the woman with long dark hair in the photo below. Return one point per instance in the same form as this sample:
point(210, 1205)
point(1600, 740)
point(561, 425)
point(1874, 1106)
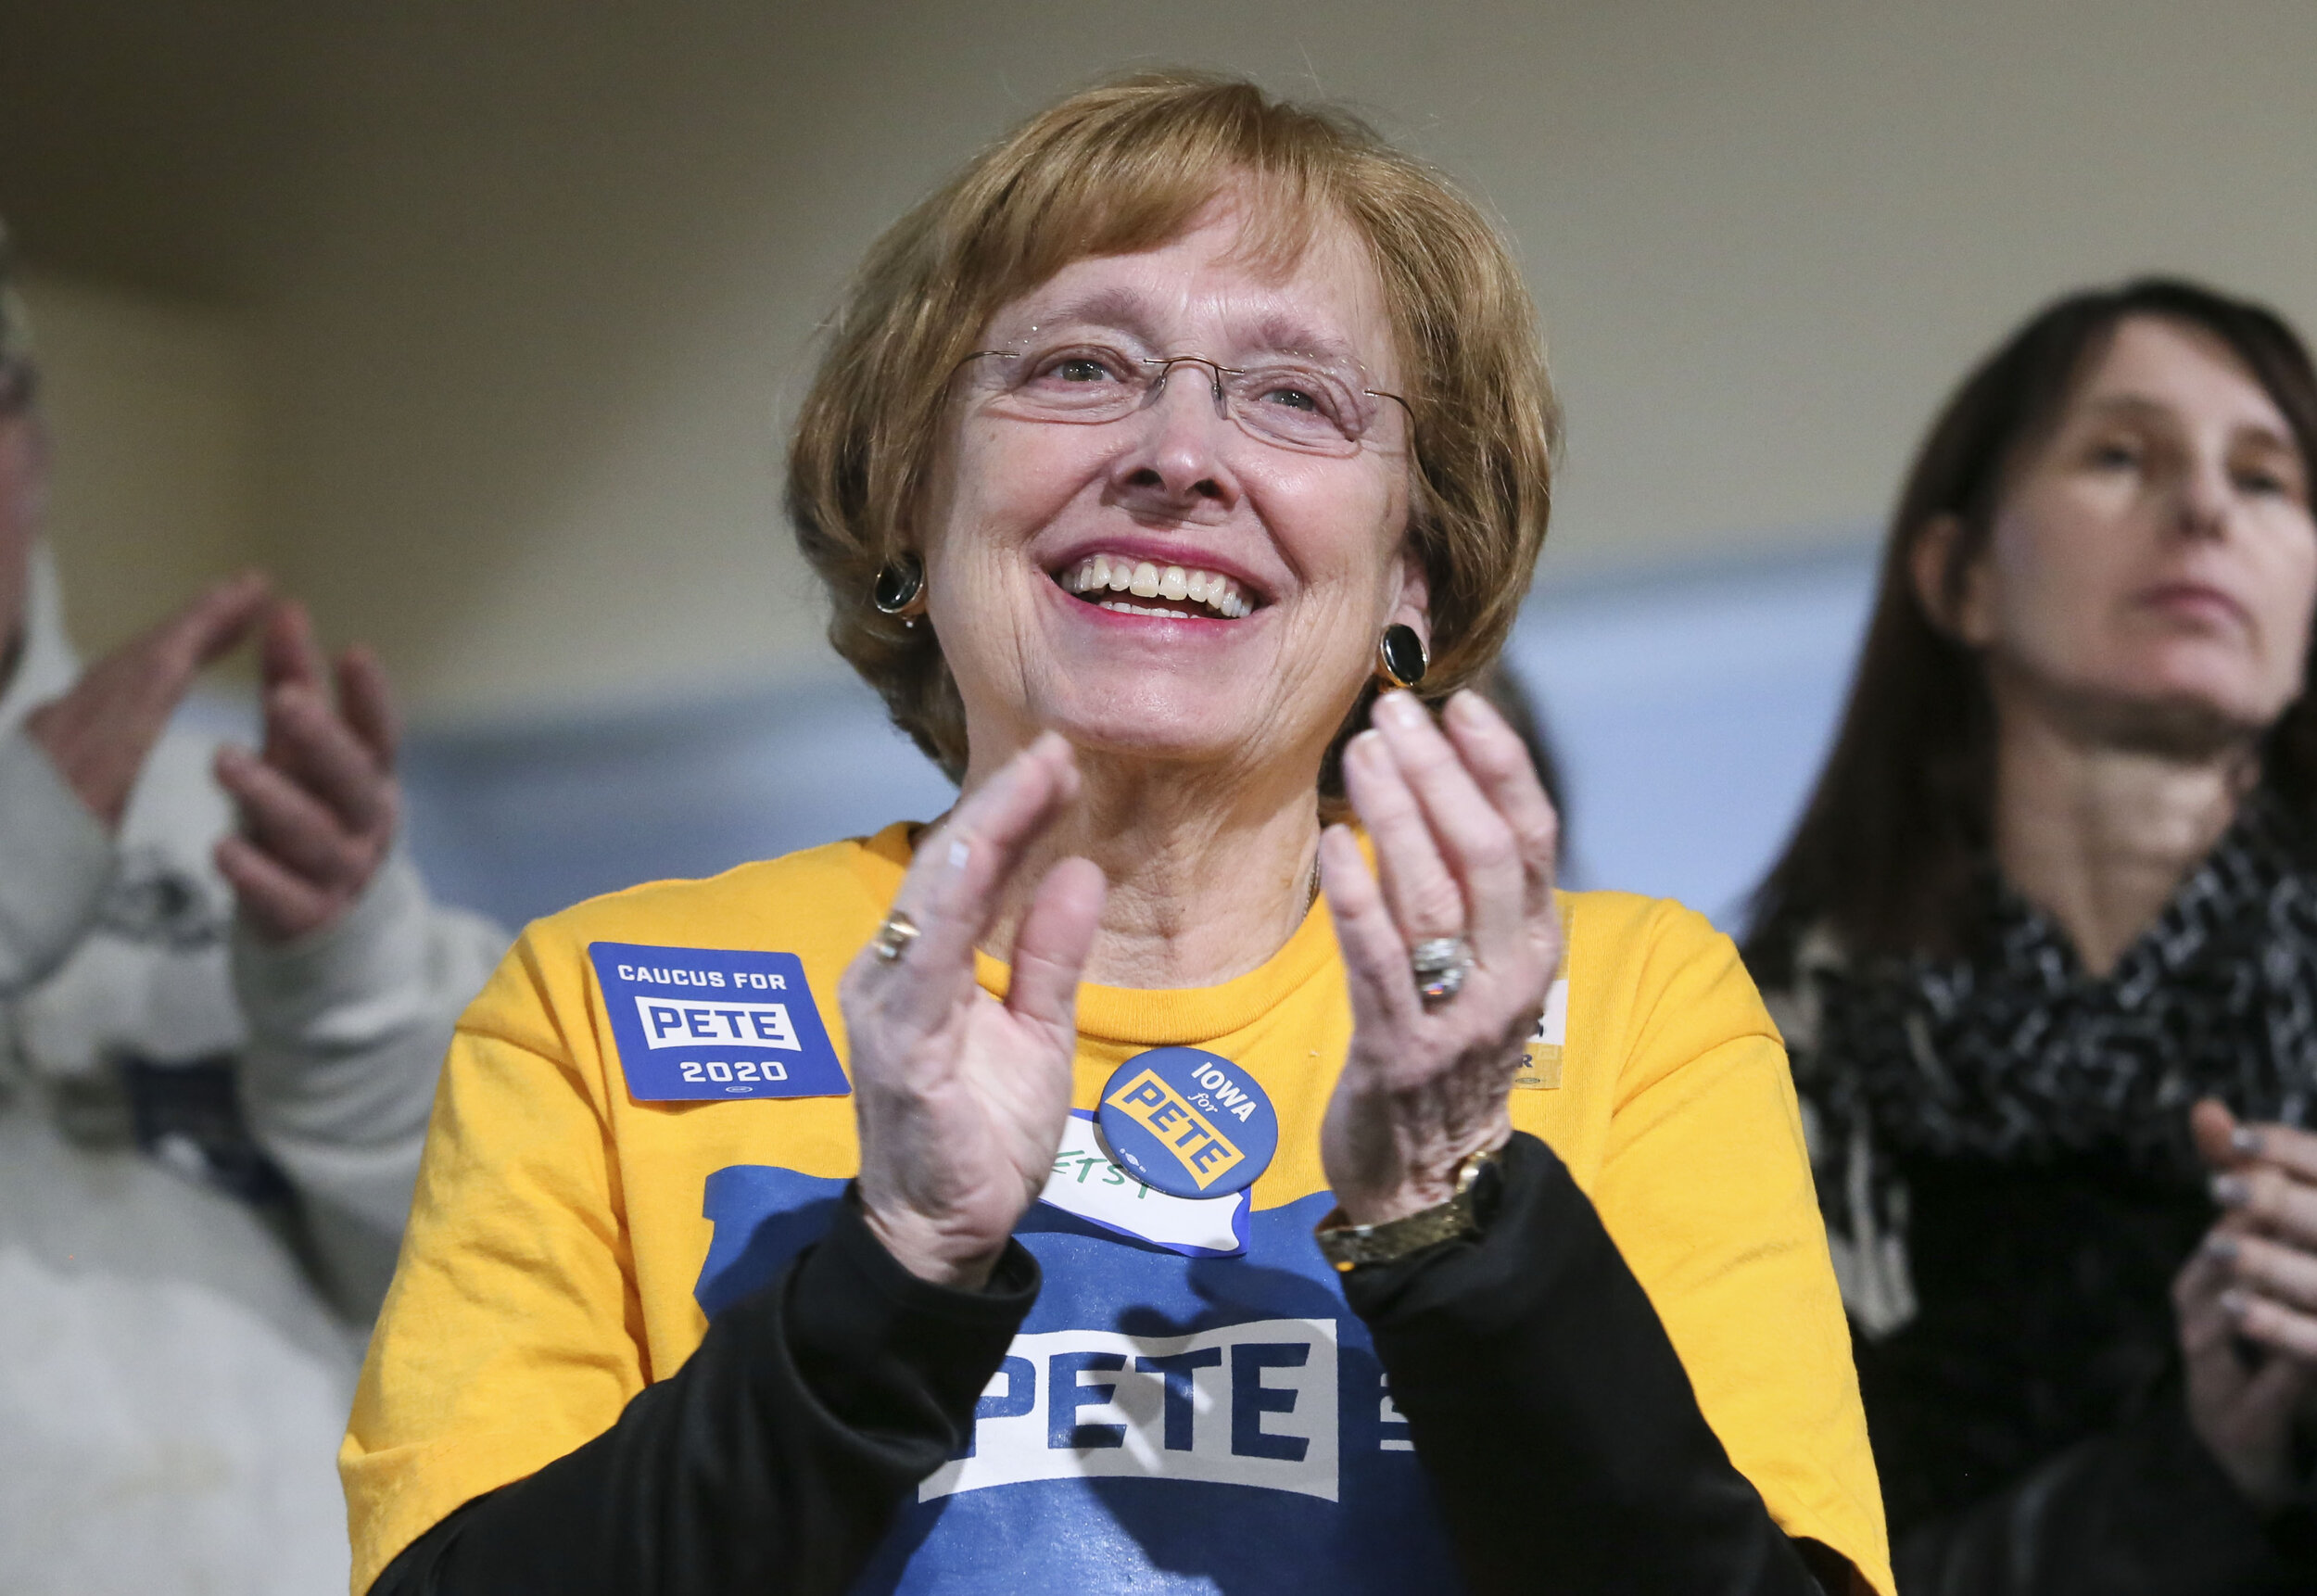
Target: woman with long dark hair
point(2044, 950)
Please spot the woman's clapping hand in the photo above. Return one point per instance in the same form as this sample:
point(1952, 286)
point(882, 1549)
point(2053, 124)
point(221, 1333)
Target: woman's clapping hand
point(2246, 1303)
point(961, 1098)
point(1465, 842)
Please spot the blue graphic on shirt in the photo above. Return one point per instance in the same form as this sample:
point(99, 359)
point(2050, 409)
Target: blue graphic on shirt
point(1161, 1423)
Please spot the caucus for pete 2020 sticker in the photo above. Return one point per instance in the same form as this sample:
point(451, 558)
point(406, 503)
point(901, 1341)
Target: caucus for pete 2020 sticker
point(1188, 1122)
point(698, 1023)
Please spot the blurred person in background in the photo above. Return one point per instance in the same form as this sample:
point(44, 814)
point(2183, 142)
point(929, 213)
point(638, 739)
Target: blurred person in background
point(1165, 446)
point(224, 997)
point(2044, 949)
point(1502, 687)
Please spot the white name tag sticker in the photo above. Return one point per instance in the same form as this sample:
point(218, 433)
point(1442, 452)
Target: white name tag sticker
point(1085, 1183)
point(1552, 1026)
point(1540, 1061)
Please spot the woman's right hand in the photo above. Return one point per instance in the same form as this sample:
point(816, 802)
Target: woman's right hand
point(961, 1099)
point(2246, 1303)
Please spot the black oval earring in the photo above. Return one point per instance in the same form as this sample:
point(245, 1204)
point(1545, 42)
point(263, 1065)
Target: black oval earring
point(900, 584)
point(1401, 658)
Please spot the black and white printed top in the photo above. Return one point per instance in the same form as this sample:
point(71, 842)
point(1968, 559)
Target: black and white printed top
point(2002, 1157)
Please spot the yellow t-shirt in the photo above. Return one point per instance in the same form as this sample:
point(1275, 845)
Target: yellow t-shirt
point(565, 1236)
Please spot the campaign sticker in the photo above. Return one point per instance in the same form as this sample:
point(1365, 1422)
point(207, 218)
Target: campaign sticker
point(1187, 1123)
point(702, 1024)
point(1087, 1184)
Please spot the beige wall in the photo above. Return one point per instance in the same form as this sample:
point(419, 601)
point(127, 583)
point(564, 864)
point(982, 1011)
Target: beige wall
point(156, 451)
point(540, 278)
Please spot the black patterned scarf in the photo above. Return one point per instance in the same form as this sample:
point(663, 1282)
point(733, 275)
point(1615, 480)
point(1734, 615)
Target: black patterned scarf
point(2018, 1056)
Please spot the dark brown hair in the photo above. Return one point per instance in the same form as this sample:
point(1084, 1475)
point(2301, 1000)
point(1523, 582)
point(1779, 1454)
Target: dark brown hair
point(18, 376)
point(1126, 166)
point(1891, 851)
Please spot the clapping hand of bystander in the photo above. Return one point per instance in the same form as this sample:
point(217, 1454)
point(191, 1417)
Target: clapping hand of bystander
point(2246, 1304)
point(99, 733)
point(319, 801)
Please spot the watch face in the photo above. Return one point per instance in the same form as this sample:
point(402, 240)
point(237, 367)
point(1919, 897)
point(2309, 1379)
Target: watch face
point(1187, 1123)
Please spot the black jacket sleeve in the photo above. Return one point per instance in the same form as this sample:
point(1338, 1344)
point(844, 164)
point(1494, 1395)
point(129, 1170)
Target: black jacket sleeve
point(2141, 1511)
point(1554, 1415)
point(773, 1460)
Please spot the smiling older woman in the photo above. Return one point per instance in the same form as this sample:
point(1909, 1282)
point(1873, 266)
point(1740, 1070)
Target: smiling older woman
point(1152, 456)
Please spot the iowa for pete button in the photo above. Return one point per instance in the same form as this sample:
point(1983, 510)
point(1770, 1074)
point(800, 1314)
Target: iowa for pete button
point(1187, 1123)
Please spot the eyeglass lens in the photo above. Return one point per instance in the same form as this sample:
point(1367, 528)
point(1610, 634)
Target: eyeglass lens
point(1295, 403)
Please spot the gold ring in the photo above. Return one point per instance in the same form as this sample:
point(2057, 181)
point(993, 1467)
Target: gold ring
point(898, 931)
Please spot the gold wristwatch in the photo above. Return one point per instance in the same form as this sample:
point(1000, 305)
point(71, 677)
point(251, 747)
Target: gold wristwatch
point(1349, 1246)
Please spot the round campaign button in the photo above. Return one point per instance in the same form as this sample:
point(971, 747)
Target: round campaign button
point(1187, 1123)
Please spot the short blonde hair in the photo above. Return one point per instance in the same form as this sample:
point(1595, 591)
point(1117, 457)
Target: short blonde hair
point(1128, 166)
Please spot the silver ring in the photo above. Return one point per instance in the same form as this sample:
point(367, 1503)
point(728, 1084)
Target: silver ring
point(898, 931)
point(1440, 965)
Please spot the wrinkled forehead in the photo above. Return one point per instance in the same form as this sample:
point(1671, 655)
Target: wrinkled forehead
point(1225, 287)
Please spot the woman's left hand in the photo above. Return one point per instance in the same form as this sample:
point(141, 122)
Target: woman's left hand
point(2246, 1301)
point(1467, 843)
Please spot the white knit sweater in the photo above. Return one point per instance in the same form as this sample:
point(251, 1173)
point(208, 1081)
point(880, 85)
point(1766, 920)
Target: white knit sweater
point(172, 1386)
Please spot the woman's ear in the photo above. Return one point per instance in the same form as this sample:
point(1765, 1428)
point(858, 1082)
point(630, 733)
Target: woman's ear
point(1955, 600)
point(1414, 605)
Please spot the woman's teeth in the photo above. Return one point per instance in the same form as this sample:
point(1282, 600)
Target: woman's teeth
point(1145, 580)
